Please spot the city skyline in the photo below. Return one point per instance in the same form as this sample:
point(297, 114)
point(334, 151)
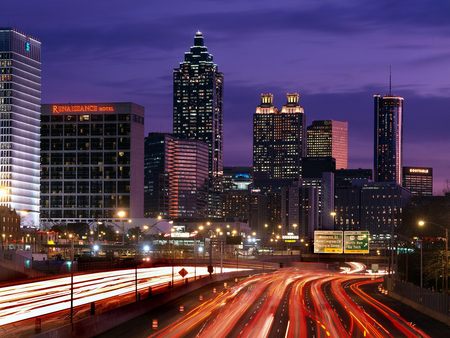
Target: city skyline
point(340, 88)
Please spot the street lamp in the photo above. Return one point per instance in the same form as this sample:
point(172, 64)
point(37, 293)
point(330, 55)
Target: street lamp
point(122, 214)
point(422, 223)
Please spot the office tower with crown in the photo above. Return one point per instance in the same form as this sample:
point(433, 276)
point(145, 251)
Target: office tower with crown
point(198, 112)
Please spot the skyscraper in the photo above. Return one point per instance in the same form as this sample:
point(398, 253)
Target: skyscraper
point(92, 161)
point(20, 99)
point(279, 142)
point(329, 138)
point(388, 138)
point(418, 180)
point(197, 111)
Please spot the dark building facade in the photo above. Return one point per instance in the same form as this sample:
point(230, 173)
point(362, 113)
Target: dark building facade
point(175, 177)
point(91, 161)
point(388, 138)
point(156, 189)
point(279, 142)
point(418, 180)
point(329, 138)
point(20, 99)
point(299, 210)
point(349, 177)
point(373, 206)
point(9, 226)
point(198, 112)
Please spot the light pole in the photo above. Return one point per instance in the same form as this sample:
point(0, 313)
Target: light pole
point(122, 214)
point(422, 223)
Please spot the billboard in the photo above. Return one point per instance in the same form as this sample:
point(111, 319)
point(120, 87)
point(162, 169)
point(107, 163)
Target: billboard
point(328, 241)
point(356, 242)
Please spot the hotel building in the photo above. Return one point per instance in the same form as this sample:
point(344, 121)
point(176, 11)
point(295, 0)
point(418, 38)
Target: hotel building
point(91, 161)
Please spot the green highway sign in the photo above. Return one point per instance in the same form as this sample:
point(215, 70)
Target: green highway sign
point(356, 242)
point(328, 241)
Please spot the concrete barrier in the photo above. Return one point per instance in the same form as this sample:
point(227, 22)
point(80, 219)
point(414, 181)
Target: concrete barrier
point(98, 324)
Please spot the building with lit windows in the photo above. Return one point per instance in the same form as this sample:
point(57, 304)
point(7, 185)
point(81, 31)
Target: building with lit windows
point(175, 177)
point(418, 180)
point(329, 138)
point(197, 112)
point(91, 162)
point(20, 99)
point(236, 193)
point(388, 138)
point(279, 142)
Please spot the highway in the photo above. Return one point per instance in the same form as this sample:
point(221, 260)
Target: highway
point(293, 302)
point(35, 299)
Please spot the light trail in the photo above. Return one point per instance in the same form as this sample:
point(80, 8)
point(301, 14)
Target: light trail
point(29, 300)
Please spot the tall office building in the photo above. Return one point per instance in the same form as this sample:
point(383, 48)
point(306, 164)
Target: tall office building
point(20, 99)
point(236, 193)
point(197, 111)
point(388, 138)
point(279, 142)
point(175, 177)
point(92, 161)
point(418, 180)
point(329, 138)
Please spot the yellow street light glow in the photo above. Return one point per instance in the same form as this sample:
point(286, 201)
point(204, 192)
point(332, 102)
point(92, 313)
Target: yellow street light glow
point(279, 226)
point(266, 225)
point(295, 225)
point(201, 227)
point(421, 223)
point(253, 233)
point(145, 227)
point(218, 230)
point(159, 217)
point(208, 223)
point(121, 213)
point(333, 213)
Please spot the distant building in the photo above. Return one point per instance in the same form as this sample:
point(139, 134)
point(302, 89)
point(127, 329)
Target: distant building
point(279, 142)
point(236, 195)
point(388, 139)
point(176, 177)
point(329, 138)
point(187, 167)
point(299, 210)
point(418, 180)
point(318, 172)
point(156, 188)
point(91, 161)
point(373, 206)
point(198, 112)
point(9, 226)
point(20, 100)
point(349, 177)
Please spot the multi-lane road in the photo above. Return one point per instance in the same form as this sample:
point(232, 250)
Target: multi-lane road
point(294, 303)
point(30, 300)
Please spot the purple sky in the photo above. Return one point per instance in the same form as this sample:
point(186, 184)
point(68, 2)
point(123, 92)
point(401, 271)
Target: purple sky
point(335, 53)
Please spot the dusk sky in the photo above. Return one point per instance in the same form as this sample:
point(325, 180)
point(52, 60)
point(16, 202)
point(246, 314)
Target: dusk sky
point(335, 53)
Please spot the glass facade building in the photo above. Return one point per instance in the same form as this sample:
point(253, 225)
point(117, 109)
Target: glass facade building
point(176, 177)
point(20, 99)
point(388, 142)
point(91, 161)
point(418, 180)
point(329, 138)
point(197, 112)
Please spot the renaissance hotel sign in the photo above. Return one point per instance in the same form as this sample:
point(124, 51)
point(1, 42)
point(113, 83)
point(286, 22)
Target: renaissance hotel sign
point(81, 108)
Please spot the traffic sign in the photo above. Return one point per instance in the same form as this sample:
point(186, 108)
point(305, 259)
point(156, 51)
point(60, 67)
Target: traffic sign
point(356, 242)
point(182, 272)
point(328, 241)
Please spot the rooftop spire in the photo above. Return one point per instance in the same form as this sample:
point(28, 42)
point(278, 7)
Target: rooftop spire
point(390, 80)
point(198, 39)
